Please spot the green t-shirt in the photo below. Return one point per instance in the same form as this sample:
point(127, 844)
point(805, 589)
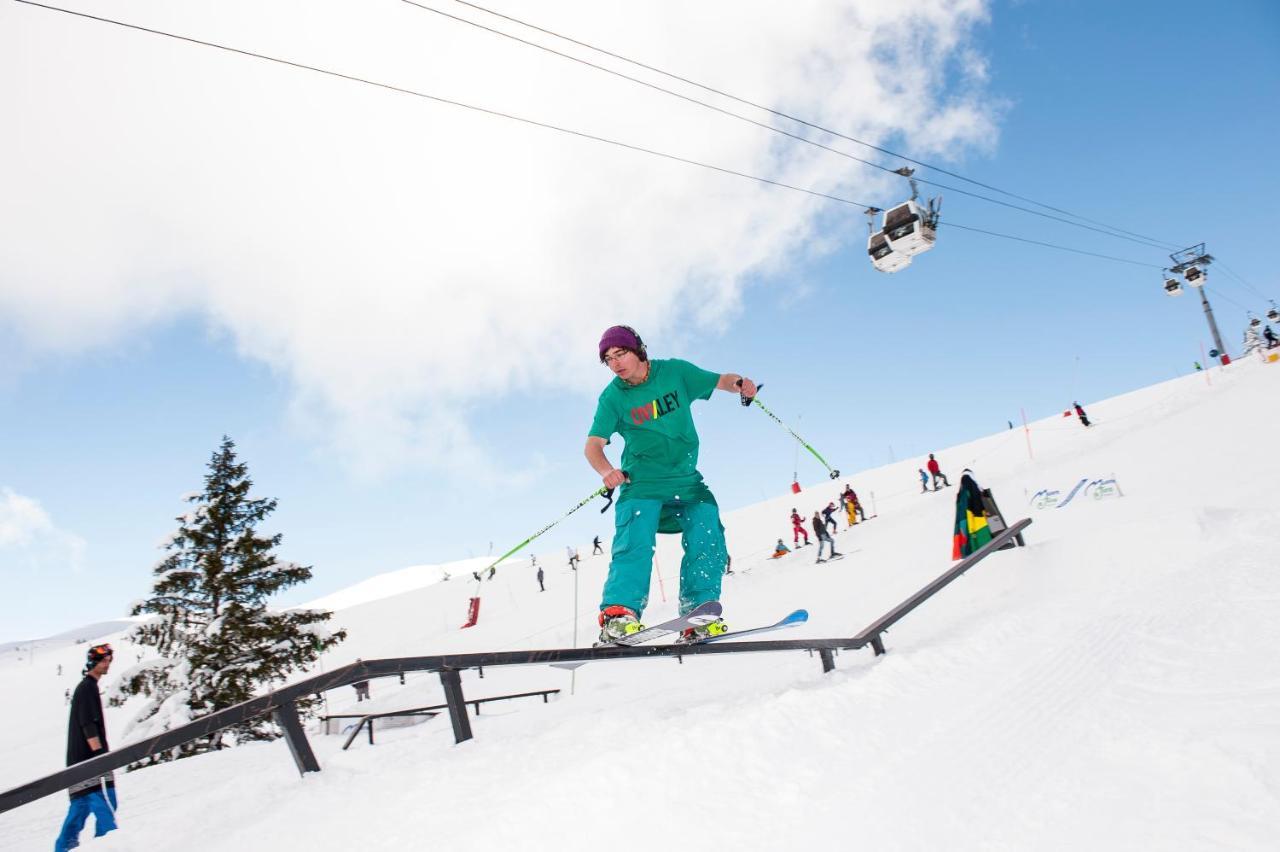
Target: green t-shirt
point(656, 423)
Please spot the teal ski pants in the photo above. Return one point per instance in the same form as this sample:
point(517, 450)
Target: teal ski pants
point(634, 537)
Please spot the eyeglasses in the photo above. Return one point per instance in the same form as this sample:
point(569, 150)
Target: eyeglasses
point(614, 359)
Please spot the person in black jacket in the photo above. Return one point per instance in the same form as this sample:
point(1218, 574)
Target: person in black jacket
point(86, 738)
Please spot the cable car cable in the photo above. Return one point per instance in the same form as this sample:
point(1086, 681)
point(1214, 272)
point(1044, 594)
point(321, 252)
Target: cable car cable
point(766, 126)
point(545, 125)
point(449, 102)
point(1240, 278)
point(947, 223)
point(780, 114)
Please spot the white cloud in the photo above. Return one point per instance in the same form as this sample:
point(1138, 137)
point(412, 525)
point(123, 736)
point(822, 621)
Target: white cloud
point(399, 260)
point(28, 535)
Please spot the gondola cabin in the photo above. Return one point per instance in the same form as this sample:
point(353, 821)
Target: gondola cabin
point(1194, 276)
point(908, 230)
point(1173, 287)
point(883, 257)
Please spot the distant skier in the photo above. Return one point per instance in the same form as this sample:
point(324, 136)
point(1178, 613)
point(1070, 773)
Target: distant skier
point(1084, 418)
point(1270, 336)
point(797, 528)
point(362, 690)
point(493, 569)
point(826, 516)
point(852, 497)
point(1197, 366)
point(573, 557)
point(541, 587)
point(66, 696)
point(595, 544)
point(649, 403)
point(59, 669)
point(728, 564)
point(779, 550)
point(936, 470)
point(850, 511)
point(971, 530)
point(924, 481)
point(824, 537)
point(87, 738)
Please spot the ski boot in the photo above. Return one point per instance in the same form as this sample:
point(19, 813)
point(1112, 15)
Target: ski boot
point(617, 622)
point(702, 631)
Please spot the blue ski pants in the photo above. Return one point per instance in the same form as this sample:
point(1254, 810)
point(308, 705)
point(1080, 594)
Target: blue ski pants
point(634, 537)
point(104, 818)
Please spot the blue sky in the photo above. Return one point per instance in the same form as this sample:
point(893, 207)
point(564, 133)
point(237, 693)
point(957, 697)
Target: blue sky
point(1158, 118)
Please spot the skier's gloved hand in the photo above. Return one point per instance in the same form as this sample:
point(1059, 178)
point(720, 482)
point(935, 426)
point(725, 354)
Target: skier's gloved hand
point(748, 390)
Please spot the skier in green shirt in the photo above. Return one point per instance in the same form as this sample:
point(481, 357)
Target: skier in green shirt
point(648, 404)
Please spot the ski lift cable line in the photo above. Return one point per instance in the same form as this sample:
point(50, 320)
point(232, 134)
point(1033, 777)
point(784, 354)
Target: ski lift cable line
point(535, 123)
point(449, 102)
point(770, 127)
point(1240, 278)
point(794, 118)
point(951, 224)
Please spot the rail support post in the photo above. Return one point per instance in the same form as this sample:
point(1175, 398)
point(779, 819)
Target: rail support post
point(451, 680)
point(303, 757)
point(877, 644)
point(828, 660)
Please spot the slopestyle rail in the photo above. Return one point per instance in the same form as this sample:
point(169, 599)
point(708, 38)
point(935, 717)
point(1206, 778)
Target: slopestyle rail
point(281, 703)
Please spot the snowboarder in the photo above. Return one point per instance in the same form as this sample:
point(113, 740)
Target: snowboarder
point(797, 528)
point(573, 557)
point(824, 537)
point(541, 587)
point(1084, 418)
point(971, 531)
point(924, 481)
point(936, 470)
point(649, 403)
point(826, 516)
point(595, 543)
point(779, 550)
point(1272, 341)
point(87, 738)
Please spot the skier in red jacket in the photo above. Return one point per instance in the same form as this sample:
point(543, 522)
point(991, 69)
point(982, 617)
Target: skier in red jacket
point(937, 473)
point(797, 527)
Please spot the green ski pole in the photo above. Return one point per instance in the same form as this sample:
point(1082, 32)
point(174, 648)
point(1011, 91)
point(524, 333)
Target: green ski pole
point(832, 472)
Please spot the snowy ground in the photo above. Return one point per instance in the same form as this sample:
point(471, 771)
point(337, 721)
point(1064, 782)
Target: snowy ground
point(1114, 685)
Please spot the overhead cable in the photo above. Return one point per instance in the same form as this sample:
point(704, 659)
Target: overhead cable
point(766, 126)
point(746, 102)
point(544, 125)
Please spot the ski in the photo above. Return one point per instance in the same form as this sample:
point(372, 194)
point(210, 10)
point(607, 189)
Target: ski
point(800, 616)
point(695, 617)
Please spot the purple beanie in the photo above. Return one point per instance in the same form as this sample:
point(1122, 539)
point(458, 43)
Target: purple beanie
point(620, 336)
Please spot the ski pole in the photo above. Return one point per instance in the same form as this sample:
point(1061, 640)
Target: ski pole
point(602, 491)
point(832, 472)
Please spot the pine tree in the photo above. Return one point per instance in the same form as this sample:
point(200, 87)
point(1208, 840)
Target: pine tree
point(217, 641)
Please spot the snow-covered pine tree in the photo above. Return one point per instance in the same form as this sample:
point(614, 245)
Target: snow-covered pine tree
point(1252, 342)
point(217, 642)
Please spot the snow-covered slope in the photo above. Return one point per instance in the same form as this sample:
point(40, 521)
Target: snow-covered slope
point(1112, 685)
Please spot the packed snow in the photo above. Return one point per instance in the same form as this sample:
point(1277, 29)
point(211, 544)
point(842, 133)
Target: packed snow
point(1113, 685)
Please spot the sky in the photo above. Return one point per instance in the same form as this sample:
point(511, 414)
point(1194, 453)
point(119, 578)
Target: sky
point(391, 305)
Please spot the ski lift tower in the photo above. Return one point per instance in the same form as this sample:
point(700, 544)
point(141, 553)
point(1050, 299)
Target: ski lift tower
point(1192, 264)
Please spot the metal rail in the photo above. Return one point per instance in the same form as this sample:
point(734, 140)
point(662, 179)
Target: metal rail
point(281, 703)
